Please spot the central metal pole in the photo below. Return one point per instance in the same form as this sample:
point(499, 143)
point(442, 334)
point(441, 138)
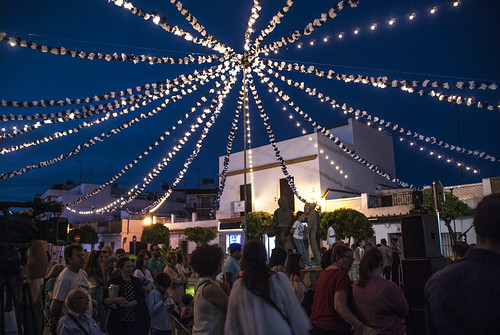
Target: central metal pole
point(244, 154)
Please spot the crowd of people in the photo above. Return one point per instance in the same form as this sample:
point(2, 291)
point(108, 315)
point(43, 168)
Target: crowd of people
point(101, 293)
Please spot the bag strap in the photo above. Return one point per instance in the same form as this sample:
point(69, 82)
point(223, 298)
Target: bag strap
point(72, 317)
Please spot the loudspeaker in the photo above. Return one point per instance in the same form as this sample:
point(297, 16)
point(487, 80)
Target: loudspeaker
point(420, 236)
point(416, 272)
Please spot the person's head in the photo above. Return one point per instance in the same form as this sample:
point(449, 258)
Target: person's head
point(95, 266)
point(253, 257)
point(155, 250)
point(326, 259)
point(295, 264)
point(331, 223)
point(162, 282)
point(487, 221)
point(206, 260)
point(372, 260)
point(301, 216)
point(459, 249)
point(73, 256)
point(55, 271)
point(283, 203)
point(361, 243)
point(278, 257)
point(187, 299)
point(394, 240)
point(171, 258)
point(235, 250)
point(106, 252)
point(120, 253)
point(342, 256)
point(383, 241)
point(77, 300)
point(124, 266)
point(142, 261)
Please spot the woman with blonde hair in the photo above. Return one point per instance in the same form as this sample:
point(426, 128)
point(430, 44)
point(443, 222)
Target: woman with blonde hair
point(176, 289)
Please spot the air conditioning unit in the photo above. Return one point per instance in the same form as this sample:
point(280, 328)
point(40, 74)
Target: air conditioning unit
point(239, 206)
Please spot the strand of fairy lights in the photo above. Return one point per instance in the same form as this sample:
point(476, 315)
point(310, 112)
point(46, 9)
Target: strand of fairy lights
point(247, 128)
point(136, 190)
point(327, 133)
point(160, 139)
point(344, 107)
point(221, 98)
point(292, 38)
point(272, 140)
point(91, 55)
point(229, 146)
point(161, 21)
point(404, 85)
point(106, 117)
point(375, 25)
point(335, 104)
point(395, 127)
point(251, 21)
point(276, 19)
point(87, 144)
point(106, 96)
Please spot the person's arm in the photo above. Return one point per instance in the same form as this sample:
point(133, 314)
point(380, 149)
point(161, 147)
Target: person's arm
point(155, 303)
point(215, 294)
point(340, 306)
point(174, 276)
point(36, 268)
point(292, 229)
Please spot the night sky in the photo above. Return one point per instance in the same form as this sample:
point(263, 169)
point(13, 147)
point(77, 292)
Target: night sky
point(455, 44)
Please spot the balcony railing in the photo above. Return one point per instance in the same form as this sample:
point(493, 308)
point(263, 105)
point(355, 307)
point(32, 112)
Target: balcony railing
point(388, 200)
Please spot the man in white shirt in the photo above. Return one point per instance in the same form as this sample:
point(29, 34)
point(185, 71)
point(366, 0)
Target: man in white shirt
point(72, 277)
point(297, 231)
point(330, 235)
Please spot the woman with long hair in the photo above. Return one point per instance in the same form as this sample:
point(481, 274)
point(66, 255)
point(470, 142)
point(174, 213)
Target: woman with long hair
point(176, 289)
point(379, 303)
point(294, 265)
point(277, 260)
point(143, 273)
point(49, 288)
point(262, 301)
point(331, 311)
point(130, 317)
point(97, 284)
point(210, 300)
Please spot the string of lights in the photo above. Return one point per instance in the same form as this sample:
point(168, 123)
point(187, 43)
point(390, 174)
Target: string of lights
point(326, 132)
point(276, 19)
point(391, 22)
point(160, 139)
point(292, 38)
point(247, 128)
point(251, 21)
point(401, 84)
point(272, 140)
point(229, 147)
point(92, 141)
point(395, 127)
point(92, 55)
point(161, 21)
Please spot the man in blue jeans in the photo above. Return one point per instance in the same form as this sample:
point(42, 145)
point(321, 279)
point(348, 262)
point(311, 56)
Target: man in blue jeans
point(297, 231)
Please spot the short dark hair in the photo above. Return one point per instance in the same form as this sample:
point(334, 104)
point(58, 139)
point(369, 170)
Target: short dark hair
point(339, 251)
point(206, 260)
point(186, 299)
point(68, 251)
point(120, 251)
point(487, 218)
point(460, 248)
point(299, 213)
point(152, 246)
point(278, 257)
point(163, 279)
point(233, 247)
point(383, 241)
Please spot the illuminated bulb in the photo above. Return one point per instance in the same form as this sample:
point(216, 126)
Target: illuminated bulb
point(325, 39)
point(412, 16)
point(433, 10)
point(311, 43)
point(341, 35)
point(455, 4)
point(299, 46)
point(291, 117)
point(12, 44)
point(267, 53)
point(392, 21)
point(421, 149)
point(356, 31)
point(373, 26)
point(156, 19)
point(284, 108)
point(276, 51)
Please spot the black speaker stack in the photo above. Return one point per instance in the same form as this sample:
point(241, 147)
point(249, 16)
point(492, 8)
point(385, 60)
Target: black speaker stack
point(422, 253)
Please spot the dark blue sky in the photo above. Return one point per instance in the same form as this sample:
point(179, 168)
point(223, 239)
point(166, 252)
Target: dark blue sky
point(454, 44)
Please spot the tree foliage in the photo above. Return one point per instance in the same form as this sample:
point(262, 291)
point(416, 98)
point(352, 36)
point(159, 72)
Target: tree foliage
point(200, 235)
point(453, 208)
point(87, 234)
point(347, 223)
point(156, 233)
point(257, 223)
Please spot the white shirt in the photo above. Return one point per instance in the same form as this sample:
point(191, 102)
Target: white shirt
point(330, 236)
point(298, 230)
point(69, 280)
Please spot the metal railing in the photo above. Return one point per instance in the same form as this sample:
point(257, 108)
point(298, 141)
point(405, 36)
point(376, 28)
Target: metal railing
point(178, 328)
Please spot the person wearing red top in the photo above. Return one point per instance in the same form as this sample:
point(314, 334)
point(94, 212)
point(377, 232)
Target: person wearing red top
point(331, 311)
point(378, 302)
